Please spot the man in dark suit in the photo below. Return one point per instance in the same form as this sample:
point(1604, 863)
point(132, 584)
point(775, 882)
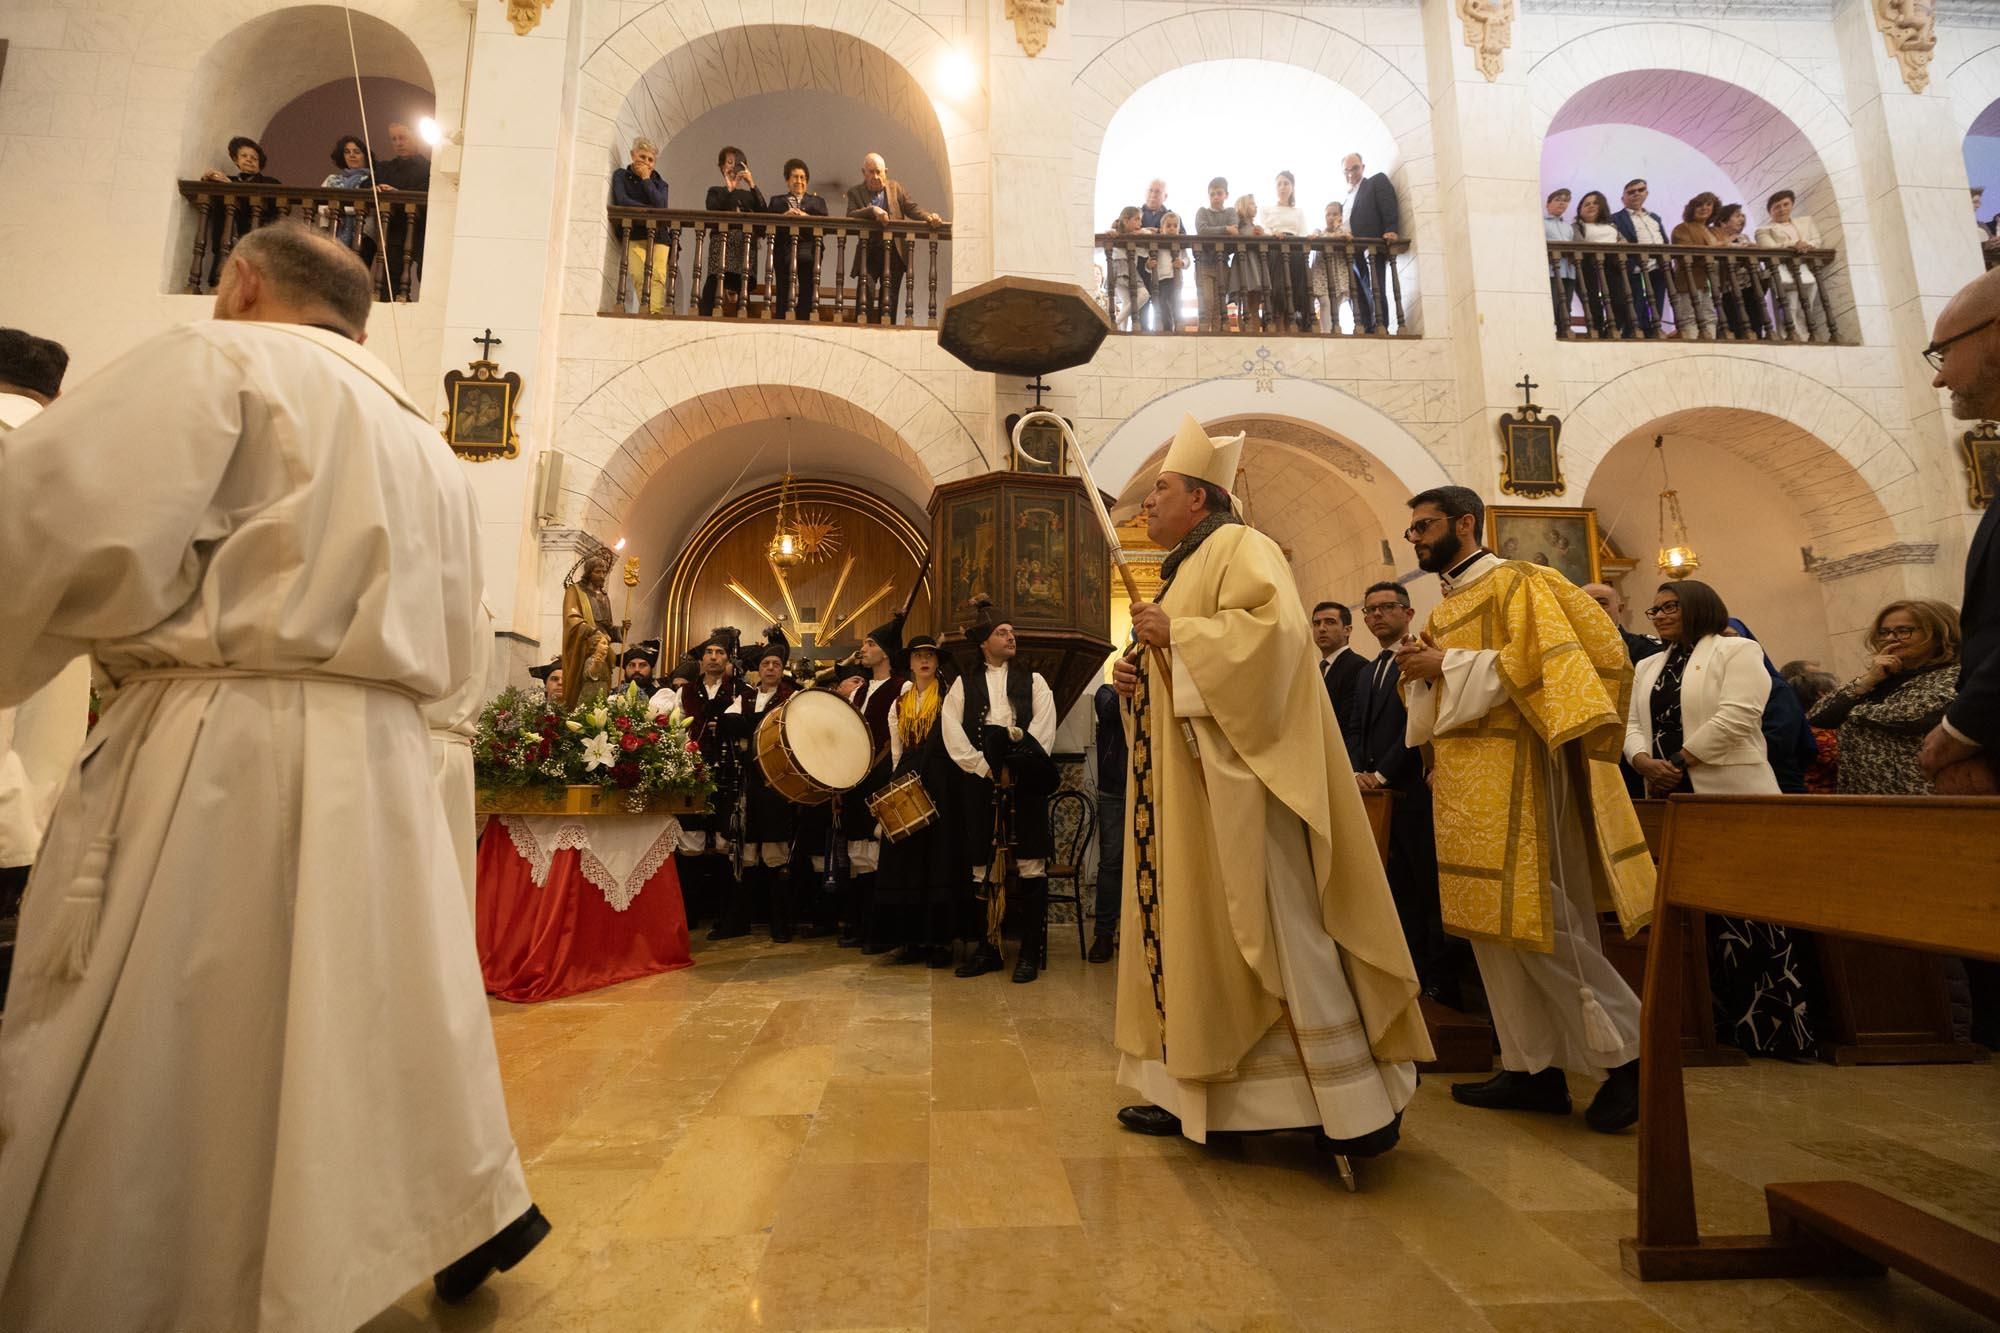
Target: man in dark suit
point(1373, 727)
point(1339, 664)
point(1645, 279)
point(1960, 752)
point(795, 254)
point(1638, 647)
point(883, 200)
point(1372, 213)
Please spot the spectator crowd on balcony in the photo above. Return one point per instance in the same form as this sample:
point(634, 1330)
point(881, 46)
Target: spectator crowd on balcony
point(1744, 287)
point(1264, 286)
point(733, 255)
point(229, 217)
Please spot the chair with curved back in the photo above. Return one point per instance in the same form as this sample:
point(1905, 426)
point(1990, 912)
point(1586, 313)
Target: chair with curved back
point(1072, 824)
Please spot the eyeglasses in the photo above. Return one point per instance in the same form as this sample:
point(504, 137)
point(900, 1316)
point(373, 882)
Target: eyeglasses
point(1935, 352)
point(1664, 608)
point(1898, 632)
point(1383, 606)
point(1418, 528)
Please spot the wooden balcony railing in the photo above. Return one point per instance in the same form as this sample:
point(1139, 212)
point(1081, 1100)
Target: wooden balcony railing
point(1724, 293)
point(686, 263)
point(225, 211)
point(1254, 284)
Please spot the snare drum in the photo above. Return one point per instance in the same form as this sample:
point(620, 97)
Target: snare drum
point(813, 747)
point(902, 807)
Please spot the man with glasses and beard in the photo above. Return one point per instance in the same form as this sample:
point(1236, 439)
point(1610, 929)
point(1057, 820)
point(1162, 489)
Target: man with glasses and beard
point(1520, 685)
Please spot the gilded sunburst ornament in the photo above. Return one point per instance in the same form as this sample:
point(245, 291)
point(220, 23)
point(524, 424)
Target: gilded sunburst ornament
point(818, 533)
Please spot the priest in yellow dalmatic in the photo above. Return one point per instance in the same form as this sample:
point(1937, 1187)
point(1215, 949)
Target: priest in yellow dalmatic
point(1272, 988)
point(1519, 685)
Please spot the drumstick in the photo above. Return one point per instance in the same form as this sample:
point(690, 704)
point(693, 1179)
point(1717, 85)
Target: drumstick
point(862, 609)
point(1166, 670)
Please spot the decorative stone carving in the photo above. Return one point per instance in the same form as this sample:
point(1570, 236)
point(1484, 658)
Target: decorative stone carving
point(525, 14)
point(1489, 31)
point(1909, 30)
point(1826, 569)
point(1033, 20)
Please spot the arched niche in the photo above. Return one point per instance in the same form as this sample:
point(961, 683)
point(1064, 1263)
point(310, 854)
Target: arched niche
point(300, 135)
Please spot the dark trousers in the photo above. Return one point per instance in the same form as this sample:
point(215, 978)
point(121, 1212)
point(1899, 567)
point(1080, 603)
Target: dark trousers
point(1291, 296)
point(396, 225)
point(711, 287)
point(13, 883)
point(1413, 883)
point(796, 273)
point(878, 294)
point(1648, 292)
point(1110, 859)
point(1370, 271)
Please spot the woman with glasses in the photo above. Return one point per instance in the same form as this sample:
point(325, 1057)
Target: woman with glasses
point(1884, 713)
point(1697, 716)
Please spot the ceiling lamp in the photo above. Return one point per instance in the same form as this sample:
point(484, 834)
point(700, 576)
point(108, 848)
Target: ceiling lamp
point(1677, 558)
point(787, 548)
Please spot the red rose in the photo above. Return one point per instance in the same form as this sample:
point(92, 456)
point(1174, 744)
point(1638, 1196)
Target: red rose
point(628, 742)
point(693, 747)
point(652, 738)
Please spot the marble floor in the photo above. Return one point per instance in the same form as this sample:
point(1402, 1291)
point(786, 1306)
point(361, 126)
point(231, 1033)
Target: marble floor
point(796, 1137)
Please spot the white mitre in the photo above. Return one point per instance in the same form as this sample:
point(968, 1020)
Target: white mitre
point(1194, 454)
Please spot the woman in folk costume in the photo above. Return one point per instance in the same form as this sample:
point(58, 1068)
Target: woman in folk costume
point(922, 878)
point(590, 636)
point(1273, 988)
point(767, 815)
point(1520, 685)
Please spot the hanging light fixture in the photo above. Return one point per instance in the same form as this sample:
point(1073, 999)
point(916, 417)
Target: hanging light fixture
point(787, 547)
point(1677, 558)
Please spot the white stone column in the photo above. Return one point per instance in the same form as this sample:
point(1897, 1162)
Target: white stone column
point(1028, 123)
point(505, 267)
point(1494, 268)
point(1913, 175)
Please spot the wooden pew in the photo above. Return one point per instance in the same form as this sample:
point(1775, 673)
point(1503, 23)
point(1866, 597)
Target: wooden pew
point(1699, 1044)
point(1464, 1043)
point(1816, 863)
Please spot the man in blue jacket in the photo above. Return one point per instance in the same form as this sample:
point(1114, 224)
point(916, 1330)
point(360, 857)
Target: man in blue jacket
point(1372, 214)
point(1646, 280)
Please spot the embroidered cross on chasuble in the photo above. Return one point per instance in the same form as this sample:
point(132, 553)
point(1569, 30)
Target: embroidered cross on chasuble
point(1568, 682)
point(1145, 859)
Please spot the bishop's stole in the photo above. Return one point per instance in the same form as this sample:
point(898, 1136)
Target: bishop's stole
point(1568, 682)
point(1203, 984)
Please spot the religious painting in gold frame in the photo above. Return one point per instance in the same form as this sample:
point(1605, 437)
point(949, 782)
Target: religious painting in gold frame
point(1040, 556)
point(1564, 540)
point(1040, 449)
point(1982, 463)
point(1530, 454)
point(479, 418)
point(969, 557)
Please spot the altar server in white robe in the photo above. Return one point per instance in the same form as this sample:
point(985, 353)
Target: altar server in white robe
point(247, 1077)
point(454, 723)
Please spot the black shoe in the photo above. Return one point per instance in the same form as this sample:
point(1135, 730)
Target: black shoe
point(939, 956)
point(1146, 1118)
point(981, 960)
point(1372, 1144)
point(910, 953)
point(1102, 947)
point(1616, 1105)
point(1025, 970)
point(728, 932)
point(459, 1280)
point(780, 934)
point(1511, 1090)
point(872, 947)
point(849, 941)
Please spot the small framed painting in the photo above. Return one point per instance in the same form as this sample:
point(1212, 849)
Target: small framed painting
point(1565, 540)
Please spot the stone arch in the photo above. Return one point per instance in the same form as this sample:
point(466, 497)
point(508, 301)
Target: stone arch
point(1109, 79)
point(638, 420)
point(1854, 483)
point(1749, 111)
point(887, 50)
point(1371, 452)
point(1974, 84)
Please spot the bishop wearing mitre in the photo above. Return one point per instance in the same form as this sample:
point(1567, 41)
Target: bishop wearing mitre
point(1273, 988)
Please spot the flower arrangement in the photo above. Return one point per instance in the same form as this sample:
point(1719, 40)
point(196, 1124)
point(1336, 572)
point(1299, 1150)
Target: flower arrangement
point(527, 740)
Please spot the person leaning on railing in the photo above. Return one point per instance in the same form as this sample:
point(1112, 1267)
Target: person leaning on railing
point(795, 255)
point(640, 186)
point(1330, 280)
point(248, 155)
point(1211, 263)
point(1557, 231)
point(1742, 303)
point(729, 257)
point(1593, 227)
point(1798, 232)
point(1693, 294)
point(1169, 259)
point(883, 263)
point(351, 171)
point(1646, 277)
point(1121, 271)
point(1291, 301)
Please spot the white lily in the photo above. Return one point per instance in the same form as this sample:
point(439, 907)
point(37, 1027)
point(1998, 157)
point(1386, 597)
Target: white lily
point(598, 752)
point(598, 717)
point(573, 724)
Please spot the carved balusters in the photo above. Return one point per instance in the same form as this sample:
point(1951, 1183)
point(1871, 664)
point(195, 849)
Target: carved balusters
point(202, 207)
point(409, 251)
point(931, 317)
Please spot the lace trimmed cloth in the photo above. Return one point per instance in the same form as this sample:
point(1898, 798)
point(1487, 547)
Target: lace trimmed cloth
point(617, 853)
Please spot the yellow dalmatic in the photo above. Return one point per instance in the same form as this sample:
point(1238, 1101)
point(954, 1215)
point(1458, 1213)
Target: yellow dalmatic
point(1568, 682)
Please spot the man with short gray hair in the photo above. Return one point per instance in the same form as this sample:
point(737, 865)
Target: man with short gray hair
point(248, 1051)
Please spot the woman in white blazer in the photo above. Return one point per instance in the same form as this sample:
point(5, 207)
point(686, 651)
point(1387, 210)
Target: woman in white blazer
point(1696, 722)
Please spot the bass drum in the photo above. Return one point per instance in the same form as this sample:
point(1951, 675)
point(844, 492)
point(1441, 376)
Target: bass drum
point(813, 747)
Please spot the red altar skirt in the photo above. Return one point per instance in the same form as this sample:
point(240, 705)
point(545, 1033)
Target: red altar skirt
point(585, 925)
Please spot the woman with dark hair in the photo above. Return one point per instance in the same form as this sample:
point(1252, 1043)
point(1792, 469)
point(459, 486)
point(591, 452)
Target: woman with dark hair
point(1810, 685)
point(1884, 713)
point(1593, 227)
point(227, 225)
point(1291, 298)
point(732, 263)
point(351, 171)
point(1696, 721)
point(1741, 301)
point(1693, 293)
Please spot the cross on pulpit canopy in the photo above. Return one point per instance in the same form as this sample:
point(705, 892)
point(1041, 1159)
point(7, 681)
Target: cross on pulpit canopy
point(487, 344)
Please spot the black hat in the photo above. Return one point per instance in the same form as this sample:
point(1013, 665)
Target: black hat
point(31, 363)
point(774, 645)
point(647, 652)
point(888, 637)
point(984, 621)
point(725, 637)
point(923, 641)
point(541, 672)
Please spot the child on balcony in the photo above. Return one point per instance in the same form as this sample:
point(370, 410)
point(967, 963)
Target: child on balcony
point(1211, 262)
point(1169, 259)
point(1329, 269)
point(1249, 274)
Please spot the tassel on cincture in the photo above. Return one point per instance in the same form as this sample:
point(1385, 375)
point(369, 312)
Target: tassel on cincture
point(66, 952)
point(1599, 1033)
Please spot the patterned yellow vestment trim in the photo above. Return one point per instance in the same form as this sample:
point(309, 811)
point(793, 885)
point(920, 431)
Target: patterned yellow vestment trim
point(1568, 683)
